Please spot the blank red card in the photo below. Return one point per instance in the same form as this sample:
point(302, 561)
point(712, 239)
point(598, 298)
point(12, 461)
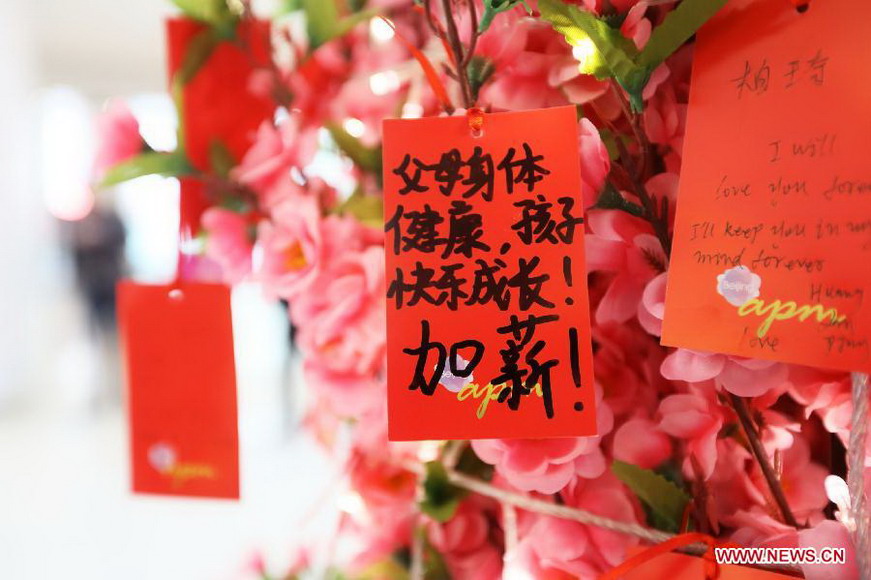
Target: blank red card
point(217, 107)
point(773, 233)
point(488, 329)
point(177, 343)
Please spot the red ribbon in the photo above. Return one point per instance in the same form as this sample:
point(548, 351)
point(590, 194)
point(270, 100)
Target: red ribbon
point(712, 568)
point(432, 76)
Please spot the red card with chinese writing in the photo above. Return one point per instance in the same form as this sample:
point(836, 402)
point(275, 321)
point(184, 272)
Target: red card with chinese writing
point(488, 329)
point(773, 232)
point(177, 343)
point(217, 106)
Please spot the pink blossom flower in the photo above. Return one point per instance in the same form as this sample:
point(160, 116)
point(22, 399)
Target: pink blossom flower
point(381, 483)
point(751, 377)
point(801, 480)
point(503, 42)
point(827, 534)
point(696, 417)
point(665, 124)
point(266, 166)
point(627, 365)
point(731, 488)
point(739, 376)
point(780, 431)
point(651, 309)
point(341, 318)
point(547, 465)
point(640, 441)
point(118, 137)
point(529, 82)
point(375, 90)
point(554, 548)
point(464, 542)
point(757, 528)
point(347, 394)
point(635, 26)
point(229, 242)
point(622, 244)
point(292, 245)
point(828, 394)
point(372, 537)
point(595, 162)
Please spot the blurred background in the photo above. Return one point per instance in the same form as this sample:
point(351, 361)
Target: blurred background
point(65, 508)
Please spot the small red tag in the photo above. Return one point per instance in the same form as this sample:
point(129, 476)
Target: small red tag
point(217, 107)
point(177, 344)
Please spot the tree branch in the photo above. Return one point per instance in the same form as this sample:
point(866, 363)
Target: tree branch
point(740, 407)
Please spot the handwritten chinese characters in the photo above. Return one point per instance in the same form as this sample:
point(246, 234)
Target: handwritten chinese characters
point(773, 230)
point(488, 324)
point(757, 79)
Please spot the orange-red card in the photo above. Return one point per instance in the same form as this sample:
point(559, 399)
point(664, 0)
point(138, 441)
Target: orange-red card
point(772, 250)
point(177, 343)
point(488, 330)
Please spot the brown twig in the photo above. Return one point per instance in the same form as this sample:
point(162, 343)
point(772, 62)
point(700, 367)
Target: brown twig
point(473, 34)
point(417, 569)
point(756, 447)
point(459, 57)
point(655, 210)
point(635, 124)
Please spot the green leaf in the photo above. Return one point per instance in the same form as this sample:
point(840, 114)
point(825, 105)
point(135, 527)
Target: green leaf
point(666, 501)
point(217, 14)
point(382, 570)
point(436, 567)
point(470, 464)
point(494, 7)
point(479, 72)
point(610, 198)
point(347, 24)
point(368, 209)
point(441, 497)
point(607, 53)
point(680, 24)
point(208, 11)
point(322, 21)
point(288, 6)
point(150, 163)
point(220, 158)
point(368, 158)
point(199, 50)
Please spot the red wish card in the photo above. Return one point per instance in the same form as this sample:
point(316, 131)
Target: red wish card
point(177, 343)
point(217, 108)
point(488, 329)
point(773, 233)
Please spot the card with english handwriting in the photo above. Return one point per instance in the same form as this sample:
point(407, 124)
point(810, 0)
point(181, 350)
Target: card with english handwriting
point(488, 330)
point(773, 228)
point(177, 346)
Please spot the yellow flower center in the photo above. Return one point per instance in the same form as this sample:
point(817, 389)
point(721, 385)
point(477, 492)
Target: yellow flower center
point(295, 258)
